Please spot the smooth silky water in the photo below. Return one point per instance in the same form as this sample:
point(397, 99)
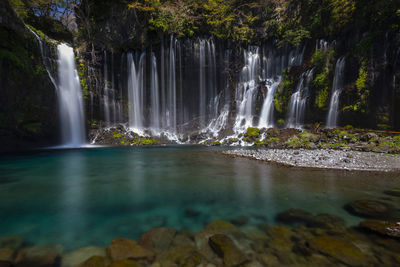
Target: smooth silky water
point(90, 196)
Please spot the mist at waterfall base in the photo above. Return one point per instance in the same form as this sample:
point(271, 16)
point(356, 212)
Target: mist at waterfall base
point(87, 197)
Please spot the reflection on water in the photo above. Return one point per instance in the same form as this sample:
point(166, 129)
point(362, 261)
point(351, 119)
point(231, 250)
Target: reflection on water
point(89, 196)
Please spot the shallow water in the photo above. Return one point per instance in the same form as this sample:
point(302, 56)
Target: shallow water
point(90, 196)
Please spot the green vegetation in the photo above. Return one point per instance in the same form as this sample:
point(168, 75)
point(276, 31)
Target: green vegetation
point(252, 132)
point(322, 60)
point(117, 135)
point(82, 73)
point(283, 92)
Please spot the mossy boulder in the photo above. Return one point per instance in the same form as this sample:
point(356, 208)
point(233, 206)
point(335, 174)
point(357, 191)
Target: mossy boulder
point(226, 249)
point(251, 135)
point(123, 248)
point(340, 249)
point(386, 228)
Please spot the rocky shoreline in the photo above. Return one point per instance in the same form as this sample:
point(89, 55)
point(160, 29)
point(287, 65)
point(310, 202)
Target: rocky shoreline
point(324, 159)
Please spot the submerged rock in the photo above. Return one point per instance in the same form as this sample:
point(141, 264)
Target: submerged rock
point(80, 255)
point(326, 221)
point(158, 238)
point(294, 216)
point(370, 209)
point(393, 192)
point(226, 249)
point(48, 255)
point(123, 248)
point(96, 261)
point(339, 249)
point(240, 221)
point(7, 254)
point(386, 228)
point(12, 242)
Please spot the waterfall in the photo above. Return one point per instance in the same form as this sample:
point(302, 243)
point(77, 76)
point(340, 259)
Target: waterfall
point(70, 98)
point(135, 91)
point(171, 87)
point(337, 88)
point(267, 112)
point(247, 89)
point(155, 101)
point(45, 63)
point(298, 101)
point(106, 92)
point(202, 83)
point(69, 94)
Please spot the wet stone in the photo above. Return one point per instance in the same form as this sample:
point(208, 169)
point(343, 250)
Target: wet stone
point(240, 221)
point(125, 263)
point(326, 221)
point(294, 216)
point(6, 254)
point(181, 256)
point(370, 209)
point(80, 255)
point(386, 228)
point(123, 248)
point(40, 256)
point(191, 213)
point(226, 249)
point(12, 242)
point(393, 192)
point(96, 261)
point(340, 249)
point(158, 238)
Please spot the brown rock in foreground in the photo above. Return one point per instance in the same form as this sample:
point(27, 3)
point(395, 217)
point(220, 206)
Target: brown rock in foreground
point(340, 249)
point(226, 248)
point(123, 248)
point(96, 261)
point(158, 238)
point(386, 228)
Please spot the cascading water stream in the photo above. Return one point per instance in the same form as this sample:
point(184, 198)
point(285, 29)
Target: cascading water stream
point(155, 99)
point(267, 111)
point(337, 88)
point(69, 93)
point(135, 92)
point(70, 98)
point(298, 101)
point(245, 92)
point(106, 103)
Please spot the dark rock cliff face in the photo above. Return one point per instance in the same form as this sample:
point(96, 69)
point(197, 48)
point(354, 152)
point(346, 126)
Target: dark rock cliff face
point(28, 105)
point(371, 95)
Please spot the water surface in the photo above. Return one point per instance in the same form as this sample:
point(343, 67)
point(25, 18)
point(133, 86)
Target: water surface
point(90, 196)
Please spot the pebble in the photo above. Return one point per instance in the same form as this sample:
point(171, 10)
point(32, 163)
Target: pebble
point(324, 158)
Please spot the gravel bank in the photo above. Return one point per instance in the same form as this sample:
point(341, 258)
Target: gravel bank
point(324, 159)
